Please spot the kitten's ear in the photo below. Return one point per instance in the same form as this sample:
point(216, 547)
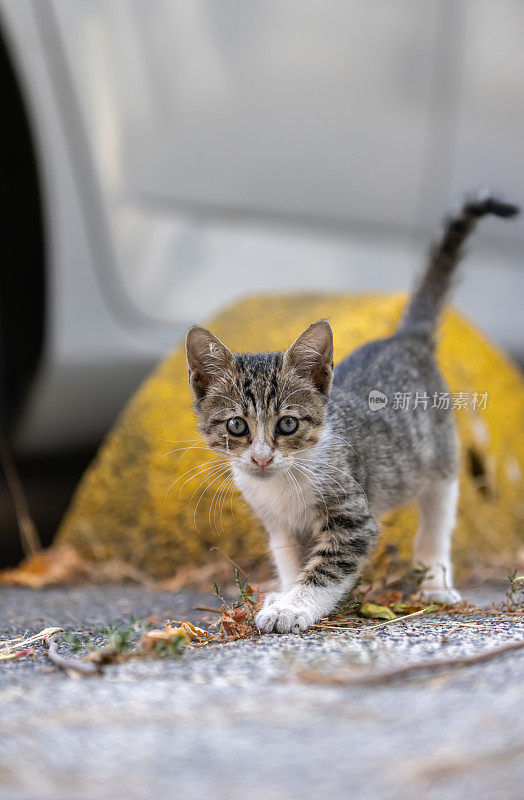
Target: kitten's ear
point(207, 359)
point(312, 355)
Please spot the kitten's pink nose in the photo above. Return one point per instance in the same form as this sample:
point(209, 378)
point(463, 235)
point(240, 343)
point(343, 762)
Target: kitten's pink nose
point(262, 461)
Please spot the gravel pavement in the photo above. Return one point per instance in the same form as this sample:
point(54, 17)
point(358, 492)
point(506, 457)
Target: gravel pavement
point(234, 721)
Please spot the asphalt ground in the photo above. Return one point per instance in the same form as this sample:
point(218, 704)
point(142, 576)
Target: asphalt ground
point(238, 720)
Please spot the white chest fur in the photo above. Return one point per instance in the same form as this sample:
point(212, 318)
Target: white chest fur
point(283, 502)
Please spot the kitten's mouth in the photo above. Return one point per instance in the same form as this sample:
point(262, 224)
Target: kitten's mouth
point(261, 472)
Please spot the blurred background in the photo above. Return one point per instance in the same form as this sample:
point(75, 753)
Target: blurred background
point(161, 159)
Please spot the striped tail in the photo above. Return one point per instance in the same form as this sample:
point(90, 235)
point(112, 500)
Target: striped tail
point(433, 288)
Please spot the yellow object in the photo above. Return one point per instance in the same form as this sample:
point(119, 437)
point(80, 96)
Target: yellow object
point(141, 500)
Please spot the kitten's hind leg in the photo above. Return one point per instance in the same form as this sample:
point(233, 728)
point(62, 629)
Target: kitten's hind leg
point(432, 545)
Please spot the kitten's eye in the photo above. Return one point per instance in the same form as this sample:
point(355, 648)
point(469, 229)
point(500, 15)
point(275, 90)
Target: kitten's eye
point(237, 426)
point(287, 425)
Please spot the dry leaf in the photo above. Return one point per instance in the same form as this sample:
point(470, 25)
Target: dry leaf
point(191, 631)
point(29, 651)
point(62, 565)
point(47, 567)
point(372, 611)
point(233, 621)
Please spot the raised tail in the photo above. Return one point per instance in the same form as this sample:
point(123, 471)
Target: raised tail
point(432, 290)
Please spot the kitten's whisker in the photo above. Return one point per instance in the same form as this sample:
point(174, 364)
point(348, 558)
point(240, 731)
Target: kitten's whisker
point(178, 441)
point(197, 468)
point(341, 438)
point(322, 475)
point(288, 477)
point(207, 478)
point(227, 489)
point(315, 468)
point(231, 500)
point(359, 486)
point(212, 464)
point(186, 449)
point(299, 488)
point(300, 494)
point(215, 477)
point(318, 489)
point(202, 464)
point(196, 447)
point(352, 427)
point(231, 489)
point(213, 460)
point(302, 497)
point(309, 448)
point(347, 475)
point(212, 474)
point(220, 502)
point(213, 503)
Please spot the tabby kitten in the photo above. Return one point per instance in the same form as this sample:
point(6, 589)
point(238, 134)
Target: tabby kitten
point(317, 465)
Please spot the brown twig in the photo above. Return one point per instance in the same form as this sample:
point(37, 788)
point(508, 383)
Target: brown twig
point(208, 608)
point(28, 533)
point(68, 664)
point(347, 678)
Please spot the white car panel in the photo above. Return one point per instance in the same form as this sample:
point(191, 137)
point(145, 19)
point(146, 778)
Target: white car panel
point(194, 152)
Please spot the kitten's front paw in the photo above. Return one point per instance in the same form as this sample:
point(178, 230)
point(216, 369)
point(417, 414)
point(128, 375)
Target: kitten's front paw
point(437, 594)
point(283, 617)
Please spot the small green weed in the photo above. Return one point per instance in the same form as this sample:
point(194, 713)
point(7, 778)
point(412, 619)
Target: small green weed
point(120, 639)
point(515, 592)
point(77, 641)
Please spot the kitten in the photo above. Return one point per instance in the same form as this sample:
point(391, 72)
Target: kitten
point(317, 465)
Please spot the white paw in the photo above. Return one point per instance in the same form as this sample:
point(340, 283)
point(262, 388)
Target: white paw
point(438, 594)
point(283, 617)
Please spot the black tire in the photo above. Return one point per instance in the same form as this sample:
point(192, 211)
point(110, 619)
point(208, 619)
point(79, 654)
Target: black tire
point(22, 284)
